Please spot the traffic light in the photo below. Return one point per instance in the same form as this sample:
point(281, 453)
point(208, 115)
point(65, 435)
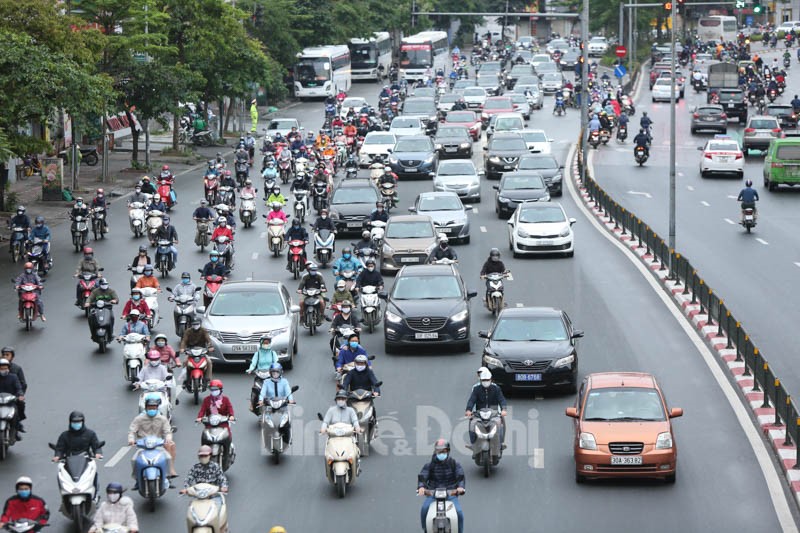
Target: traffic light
point(681, 7)
point(757, 8)
point(668, 6)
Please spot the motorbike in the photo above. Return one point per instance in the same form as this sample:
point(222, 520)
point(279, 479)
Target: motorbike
point(89, 156)
point(285, 169)
point(605, 135)
point(155, 219)
point(247, 209)
point(208, 510)
point(242, 172)
point(488, 449)
point(226, 195)
point(80, 232)
point(211, 186)
point(323, 246)
point(101, 324)
point(370, 307)
point(560, 108)
point(185, 309)
point(8, 423)
point(376, 230)
point(787, 62)
point(772, 94)
point(136, 273)
point(494, 291)
point(319, 193)
point(276, 426)
point(223, 245)
point(23, 525)
point(18, 238)
point(42, 263)
point(594, 139)
point(311, 301)
point(338, 337)
point(213, 284)
point(167, 193)
point(151, 464)
point(255, 391)
point(622, 133)
point(442, 515)
point(297, 261)
point(749, 218)
point(343, 461)
point(165, 389)
point(133, 349)
point(196, 370)
point(275, 236)
point(270, 176)
point(150, 295)
point(640, 154)
point(164, 257)
point(77, 483)
point(751, 97)
point(389, 195)
point(202, 233)
point(219, 438)
point(300, 203)
point(363, 402)
point(202, 138)
point(136, 218)
point(87, 282)
point(699, 84)
point(376, 171)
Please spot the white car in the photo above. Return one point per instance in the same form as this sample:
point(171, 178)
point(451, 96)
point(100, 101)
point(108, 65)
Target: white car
point(537, 141)
point(662, 91)
point(376, 143)
point(540, 228)
point(405, 126)
point(557, 44)
point(598, 46)
point(722, 155)
point(541, 58)
point(356, 102)
point(282, 126)
point(552, 82)
point(525, 42)
point(474, 97)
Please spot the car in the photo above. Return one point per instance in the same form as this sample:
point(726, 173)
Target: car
point(423, 92)
point(449, 215)
point(733, 101)
point(536, 98)
point(407, 239)
point(354, 102)
point(541, 228)
point(414, 157)
point(521, 104)
point(552, 82)
point(662, 90)
point(784, 113)
point(548, 167)
point(459, 176)
point(425, 109)
point(546, 68)
point(446, 102)
point(461, 84)
point(427, 305)
point(244, 311)
point(491, 69)
point(759, 131)
point(623, 428)
point(376, 143)
point(475, 97)
point(517, 71)
point(495, 105)
point(528, 81)
point(453, 141)
point(709, 117)
point(505, 122)
point(518, 187)
point(540, 58)
point(282, 126)
point(492, 85)
point(721, 155)
point(502, 152)
point(782, 163)
point(532, 349)
point(678, 76)
point(525, 42)
point(537, 141)
point(570, 58)
point(406, 127)
point(523, 54)
point(466, 118)
point(703, 58)
point(352, 201)
point(557, 44)
point(598, 46)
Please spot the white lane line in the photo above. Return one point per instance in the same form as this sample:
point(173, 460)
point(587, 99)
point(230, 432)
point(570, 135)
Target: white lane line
point(690, 187)
point(729, 221)
point(254, 256)
point(680, 174)
point(638, 193)
point(538, 458)
point(705, 203)
point(474, 210)
point(732, 197)
point(121, 453)
point(797, 264)
point(483, 229)
point(520, 304)
point(762, 241)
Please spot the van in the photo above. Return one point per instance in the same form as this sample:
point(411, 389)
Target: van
point(782, 163)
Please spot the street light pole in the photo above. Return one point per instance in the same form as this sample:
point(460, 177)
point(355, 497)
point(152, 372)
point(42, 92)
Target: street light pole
point(672, 134)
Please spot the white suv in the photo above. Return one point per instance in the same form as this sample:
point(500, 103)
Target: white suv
point(598, 46)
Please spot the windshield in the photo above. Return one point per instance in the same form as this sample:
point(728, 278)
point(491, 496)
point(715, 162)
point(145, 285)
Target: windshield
point(247, 303)
point(355, 195)
point(540, 215)
point(534, 136)
point(449, 98)
point(356, 103)
point(530, 329)
point(510, 123)
point(424, 107)
point(537, 163)
point(552, 76)
point(763, 124)
point(503, 103)
point(778, 110)
point(413, 145)
point(490, 67)
point(311, 72)
point(416, 56)
point(440, 203)
point(522, 182)
point(624, 404)
point(405, 123)
point(788, 152)
point(426, 288)
point(724, 147)
point(379, 139)
point(474, 91)
point(456, 168)
point(461, 116)
point(514, 143)
point(487, 81)
point(409, 230)
point(282, 124)
point(363, 55)
point(458, 131)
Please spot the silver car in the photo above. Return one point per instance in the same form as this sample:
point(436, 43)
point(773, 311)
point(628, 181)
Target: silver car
point(459, 176)
point(552, 82)
point(449, 215)
point(244, 311)
point(535, 98)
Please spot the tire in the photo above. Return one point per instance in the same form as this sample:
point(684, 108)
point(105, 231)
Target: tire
point(103, 345)
point(748, 228)
point(312, 326)
point(180, 330)
point(363, 445)
point(466, 240)
point(15, 252)
point(288, 365)
point(196, 393)
point(496, 305)
point(4, 446)
point(79, 519)
point(28, 316)
point(570, 254)
point(371, 326)
point(152, 494)
point(487, 465)
point(670, 479)
point(91, 159)
point(341, 486)
point(276, 458)
point(693, 131)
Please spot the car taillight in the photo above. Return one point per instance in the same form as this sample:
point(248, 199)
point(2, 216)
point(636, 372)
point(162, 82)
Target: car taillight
point(696, 115)
point(707, 156)
point(739, 155)
point(776, 165)
point(723, 115)
point(776, 130)
point(749, 130)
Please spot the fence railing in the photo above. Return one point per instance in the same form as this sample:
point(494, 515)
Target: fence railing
point(680, 270)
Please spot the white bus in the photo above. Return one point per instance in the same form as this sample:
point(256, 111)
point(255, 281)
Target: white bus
point(716, 28)
point(424, 51)
point(322, 71)
point(371, 57)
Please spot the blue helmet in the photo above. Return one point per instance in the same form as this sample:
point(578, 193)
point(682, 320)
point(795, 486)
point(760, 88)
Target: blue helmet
point(152, 399)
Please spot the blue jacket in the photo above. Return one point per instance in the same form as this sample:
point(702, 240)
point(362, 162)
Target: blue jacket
point(41, 233)
point(594, 124)
point(437, 474)
point(346, 355)
point(271, 389)
point(342, 265)
point(748, 195)
point(139, 327)
point(262, 359)
point(483, 398)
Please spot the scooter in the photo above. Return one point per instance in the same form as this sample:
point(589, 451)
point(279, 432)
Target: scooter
point(136, 218)
point(270, 178)
point(389, 195)
point(23, 525)
point(101, 324)
point(18, 237)
point(208, 511)
point(319, 192)
point(342, 458)
point(223, 451)
point(442, 515)
point(226, 195)
point(42, 263)
point(285, 169)
point(77, 483)
point(255, 390)
point(749, 218)
point(376, 170)
point(150, 295)
point(196, 369)
point(338, 338)
point(594, 139)
point(80, 232)
point(494, 291)
point(211, 186)
point(185, 309)
point(622, 133)
point(155, 219)
point(247, 209)
point(363, 402)
point(297, 261)
point(311, 302)
point(349, 277)
point(167, 193)
point(133, 348)
point(323, 246)
point(163, 388)
point(276, 426)
point(151, 464)
point(300, 202)
point(242, 172)
point(202, 234)
point(87, 282)
point(164, 257)
point(488, 449)
point(376, 230)
point(559, 108)
point(222, 244)
point(275, 236)
point(212, 285)
point(28, 295)
point(370, 307)
point(604, 136)
point(8, 423)
point(136, 273)
point(640, 154)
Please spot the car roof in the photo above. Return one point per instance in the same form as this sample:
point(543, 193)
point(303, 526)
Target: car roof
point(522, 174)
point(540, 205)
point(506, 135)
point(419, 99)
point(513, 114)
point(356, 183)
point(409, 218)
point(605, 380)
point(414, 137)
point(438, 194)
point(428, 270)
point(530, 312)
point(239, 286)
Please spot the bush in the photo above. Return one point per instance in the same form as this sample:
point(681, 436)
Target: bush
point(756, 37)
point(781, 35)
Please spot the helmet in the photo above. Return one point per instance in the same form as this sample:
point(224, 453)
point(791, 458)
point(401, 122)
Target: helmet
point(76, 416)
point(276, 206)
point(222, 220)
point(346, 250)
point(23, 480)
point(4, 362)
point(185, 275)
point(204, 450)
point(340, 394)
point(152, 355)
point(20, 209)
point(142, 249)
point(361, 358)
point(494, 253)
point(265, 338)
point(276, 366)
point(152, 399)
point(7, 349)
point(379, 204)
point(136, 291)
point(159, 336)
point(100, 191)
point(441, 445)
point(365, 234)
point(196, 321)
point(311, 266)
point(278, 529)
point(370, 261)
point(165, 167)
point(387, 168)
point(102, 281)
point(28, 265)
point(215, 383)
point(228, 173)
point(644, 113)
point(87, 250)
point(248, 182)
point(39, 219)
point(114, 487)
point(203, 202)
point(296, 222)
point(323, 212)
point(484, 373)
point(213, 253)
point(165, 218)
point(148, 270)
point(340, 284)
point(443, 238)
point(748, 183)
point(134, 312)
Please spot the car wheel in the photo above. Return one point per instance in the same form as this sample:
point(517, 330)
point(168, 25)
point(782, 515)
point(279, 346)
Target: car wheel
point(510, 244)
point(288, 365)
point(670, 479)
point(654, 100)
point(463, 347)
point(559, 193)
point(579, 479)
point(388, 348)
point(702, 174)
point(725, 131)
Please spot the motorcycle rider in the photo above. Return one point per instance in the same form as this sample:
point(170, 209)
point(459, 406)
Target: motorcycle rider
point(369, 276)
point(116, 509)
point(141, 259)
point(147, 186)
point(796, 100)
point(344, 318)
point(196, 337)
point(594, 124)
point(24, 504)
point(341, 294)
point(214, 267)
point(205, 471)
point(361, 377)
point(443, 251)
point(79, 209)
point(349, 351)
point(340, 413)
point(154, 369)
point(346, 262)
point(156, 204)
point(77, 439)
point(645, 122)
point(277, 213)
point(486, 395)
point(29, 277)
point(364, 243)
point(222, 230)
point(8, 353)
point(134, 325)
point(492, 265)
point(441, 471)
point(275, 195)
point(203, 212)
point(103, 291)
point(185, 287)
point(295, 232)
point(323, 222)
point(605, 123)
point(312, 280)
point(42, 232)
point(152, 423)
point(165, 351)
point(20, 220)
point(168, 232)
point(216, 403)
point(148, 280)
point(642, 140)
point(248, 188)
point(10, 384)
point(99, 202)
point(379, 214)
point(136, 302)
point(138, 195)
point(264, 356)
point(277, 387)
point(748, 196)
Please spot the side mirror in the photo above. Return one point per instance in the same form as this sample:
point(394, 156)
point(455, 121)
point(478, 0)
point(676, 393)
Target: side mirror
point(481, 173)
point(472, 294)
point(571, 412)
point(379, 383)
point(572, 221)
point(200, 270)
point(389, 150)
point(468, 207)
point(675, 412)
point(577, 334)
point(201, 309)
point(197, 289)
point(496, 187)
point(485, 148)
point(483, 334)
point(51, 445)
point(510, 221)
point(412, 209)
point(321, 418)
point(700, 148)
point(294, 309)
point(383, 295)
point(296, 388)
point(169, 290)
point(371, 357)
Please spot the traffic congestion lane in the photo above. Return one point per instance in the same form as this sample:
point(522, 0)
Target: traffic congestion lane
point(750, 271)
point(625, 328)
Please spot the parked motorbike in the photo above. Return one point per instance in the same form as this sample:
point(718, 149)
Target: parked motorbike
point(8, 423)
point(343, 460)
point(219, 438)
point(101, 324)
point(276, 426)
point(488, 449)
point(323, 246)
point(196, 372)
point(370, 307)
point(202, 138)
point(151, 464)
point(80, 232)
point(185, 310)
point(89, 156)
point(77, 483)
point(133, 348)
point(136, 218)
point(247, 209)
point(494, 291)
point(640, 155)
point(18, 238)
point(363, 402)
point(150, 295)
point(208, 510)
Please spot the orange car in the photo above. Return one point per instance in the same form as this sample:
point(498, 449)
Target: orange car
point(623, 428)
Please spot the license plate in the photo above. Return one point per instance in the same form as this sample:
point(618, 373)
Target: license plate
point(450, 150)
point(508, 167)
point(527, 377)
point(245, 347)
point(444, 230)
point(545, 242)
point(730, 104)
point(409, 260)
point(354, 224)
point(793, 173)
point(431, 335)
point(709, 119)
point(410, 169)
point(629, 460)
point(724, 159)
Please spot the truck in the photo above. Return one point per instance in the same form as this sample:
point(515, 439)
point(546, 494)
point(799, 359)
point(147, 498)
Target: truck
point(723, 89)
point(723, 76)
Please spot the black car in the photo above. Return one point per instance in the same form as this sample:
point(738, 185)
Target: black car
point(453, 141)
point(352, 202)
point(425, 109)
point(516, 188)
point(548, 167)
point(517, 71)
point(491, 69)
point(491, 84)
point(414, 156)
point(428, 305)
point(502, 152)
point(784, 113)
point(732, 100)
point(532, 348)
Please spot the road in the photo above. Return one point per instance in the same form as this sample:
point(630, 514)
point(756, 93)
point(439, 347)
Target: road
point(751, 272)
point(720, 483)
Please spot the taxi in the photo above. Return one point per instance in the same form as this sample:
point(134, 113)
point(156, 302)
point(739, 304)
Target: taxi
point(722, 155)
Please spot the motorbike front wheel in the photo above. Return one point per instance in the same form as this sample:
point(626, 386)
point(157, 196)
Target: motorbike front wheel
point(341, 486)
point(28, 317)
point(152, 493)
point(16, 251)
point(79, 518)
point(4, 439)
point(103, 345)
point(487, 463)
point(196, 390)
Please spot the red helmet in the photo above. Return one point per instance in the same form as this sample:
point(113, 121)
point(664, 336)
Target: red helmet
point(227, 172)
point(152, 355)
point(100, 191)
point(87, 250)
point(165, 167)
point(215, 383)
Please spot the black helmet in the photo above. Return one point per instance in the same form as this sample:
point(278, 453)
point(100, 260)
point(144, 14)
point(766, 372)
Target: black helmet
point(76, 416)
point(296, 222)
point(142, 248)
point(441, 445)
point(340, 394)
point(748, 183)
point(7, 349)
point(114, 488)
point(196, 321)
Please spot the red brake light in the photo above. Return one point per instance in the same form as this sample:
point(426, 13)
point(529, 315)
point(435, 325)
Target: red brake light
point(738, 155)
point(749, 130)
point(723, 115)
point(776, 130)
point(707, 155)
point(776, 165)
point(696, 115)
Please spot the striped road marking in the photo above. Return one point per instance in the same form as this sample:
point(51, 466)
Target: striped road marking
point(121, 453)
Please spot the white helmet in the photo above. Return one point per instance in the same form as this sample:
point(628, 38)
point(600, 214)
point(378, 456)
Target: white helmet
point(484, 373)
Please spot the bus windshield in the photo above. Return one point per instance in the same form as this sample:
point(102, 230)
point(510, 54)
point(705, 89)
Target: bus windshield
point(364, 55)
point(315, 70)
point(416, 56)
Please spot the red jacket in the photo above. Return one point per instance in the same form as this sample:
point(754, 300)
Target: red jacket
point(225, 409)
point(34, 508)
point(219, 231)
point(140, 306)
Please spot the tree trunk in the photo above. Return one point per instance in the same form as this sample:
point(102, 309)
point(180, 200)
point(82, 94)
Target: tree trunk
point(228, 116)
point(175, 127)
point(221, 118)
point(134, 136)
point(3, 182)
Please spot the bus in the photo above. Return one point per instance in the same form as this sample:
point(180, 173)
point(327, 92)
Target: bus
point(716, 28)
point(322, 71)
point(371, 58)
point(423, 51)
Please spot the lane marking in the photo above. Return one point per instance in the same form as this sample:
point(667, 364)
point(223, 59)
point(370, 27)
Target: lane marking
point(538, 458)
point(483, 229)
point(729, 221)
point(690, 187)
point(732, 197)
point(705, 203)
point(121, 453)
point(762, 241)
point(797, 264)
point(254, 256)
point(638, 193)
point(520, 304)
point(474, 210)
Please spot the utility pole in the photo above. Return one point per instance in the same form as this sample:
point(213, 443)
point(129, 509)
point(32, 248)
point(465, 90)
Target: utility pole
point(584, 92)
point(672, 134)
point(621, 32)
point(505, 23)
point(631, 46)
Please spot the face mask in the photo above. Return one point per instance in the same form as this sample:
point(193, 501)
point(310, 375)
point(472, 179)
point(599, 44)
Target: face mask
point(186, 281)
point(196, 327)
point(104, 287)
point(443, 246)
point(136, 298)
point(346, 256)
point(345, 310)
point(441, 456)
point(353, 345)
point(134, 319)
point(99, 196)
point(76, 426)
point(361, 368)
point(324, 217)
point(24, 493)
point(485, 383)
point(4, 373)
point(161, 344)
point(215, 259)
point(29, 271)
point(79, 204)
point(341, 403)
point(265, 346)
point(154, 363)
point(39, 225)
point(380, 210)
point(205, 459)
point(152, 412)
point(216, 393)
point(114, 497)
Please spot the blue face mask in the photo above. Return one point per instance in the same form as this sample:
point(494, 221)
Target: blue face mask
point(353, 345)
point(136, 297)
point(76, 425)
point(152, 412)
point(214, 259)
point(24, 494)
point(346, 256)
point(186, 281)
point(441, 456)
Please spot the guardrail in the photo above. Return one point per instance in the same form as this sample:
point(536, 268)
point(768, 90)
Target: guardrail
point(682, 273)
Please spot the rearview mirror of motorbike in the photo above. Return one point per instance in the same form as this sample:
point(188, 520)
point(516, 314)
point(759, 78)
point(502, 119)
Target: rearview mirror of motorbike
point(321, 418)
point(197, 289)
point(201, 309)
point(382, 295)
point(296, 388)
point(169, 289)
point(378, 384)
point(101, 444)
point(51, 445)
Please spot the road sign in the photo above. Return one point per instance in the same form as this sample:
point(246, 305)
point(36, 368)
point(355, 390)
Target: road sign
point(620, 51)
point(620, 71)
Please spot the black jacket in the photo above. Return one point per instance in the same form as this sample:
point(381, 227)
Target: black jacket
point(312, 282)
point(439, 253)
point(366, 380)
point(212, 269)
point(483, 398)
point(438, 474)
point(73, 442)
point(17, 370)
point(168, 233)
point(339, 321)
point(321, 224)
point(10, 384)
point(366, 278)
point(492, 267)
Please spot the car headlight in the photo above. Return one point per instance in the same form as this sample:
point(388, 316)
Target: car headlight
point(214, 333)
point(564, 361)
point(428, 159)
point(488, 360)
point(392, 317)
point(458, 317)
point(545, 198)
point(564, 232)
point(664, 441)
point(586, 442)
point(465, 145)
point(438, 146)
point(503, 200)
point(275, 332)
point(393, 160)
point(494, 159)
point(387, 249)
point(557, 177)
point(522, 233)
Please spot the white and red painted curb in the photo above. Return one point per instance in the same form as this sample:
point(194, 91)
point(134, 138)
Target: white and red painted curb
point(763, 416)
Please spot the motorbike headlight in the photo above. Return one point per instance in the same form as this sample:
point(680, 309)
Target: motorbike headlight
point(664, 441)
point(564, 361)
point(488, 360)
point(565, 232)
point(438, 146)
point(393, 317)
point(458, 317)
point(586, 442)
